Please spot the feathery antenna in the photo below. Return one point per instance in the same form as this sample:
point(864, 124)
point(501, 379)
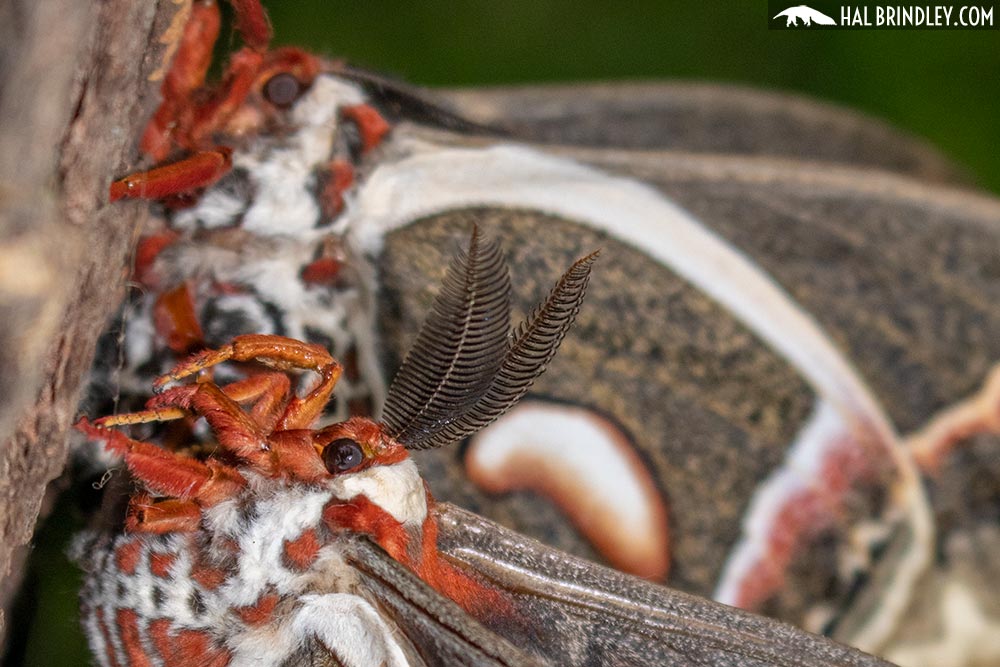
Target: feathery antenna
point(459, 348)
point(465, 370)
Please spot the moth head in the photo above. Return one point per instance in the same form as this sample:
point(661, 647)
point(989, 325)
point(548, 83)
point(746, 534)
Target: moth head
point(289, 89)
point(355, 445)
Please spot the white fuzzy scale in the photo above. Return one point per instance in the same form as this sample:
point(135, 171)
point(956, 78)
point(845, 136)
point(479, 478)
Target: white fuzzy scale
point(244, 537)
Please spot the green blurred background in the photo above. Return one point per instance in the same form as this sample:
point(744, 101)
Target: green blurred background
point(941, 85)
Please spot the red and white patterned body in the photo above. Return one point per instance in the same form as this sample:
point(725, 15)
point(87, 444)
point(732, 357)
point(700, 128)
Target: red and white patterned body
point(260, 582)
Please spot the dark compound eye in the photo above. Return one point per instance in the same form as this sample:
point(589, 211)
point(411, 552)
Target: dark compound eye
point(282, 89)
point(342, 455)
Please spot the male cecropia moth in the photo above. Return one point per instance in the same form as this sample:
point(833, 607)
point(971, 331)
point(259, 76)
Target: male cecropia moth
point(294, 545)
point(782, 394)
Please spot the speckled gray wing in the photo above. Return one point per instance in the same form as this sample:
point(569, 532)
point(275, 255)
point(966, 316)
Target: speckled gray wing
point(585, 614)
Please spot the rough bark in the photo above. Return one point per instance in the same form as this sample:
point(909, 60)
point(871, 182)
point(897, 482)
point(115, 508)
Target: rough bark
point(77, 83)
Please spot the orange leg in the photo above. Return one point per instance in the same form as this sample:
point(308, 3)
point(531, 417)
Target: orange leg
point(167, 473)
point(146, 515)
point(175, 320)
point(234, 429)
point(278, 352)
point(192, 113)
point(196, 171)
point(181, 121)
point(241, 73)
point(186, 75)
point(248, 436)
point(275, 351)
point(252, 23)
point(267, 391)
point(303, 412)
point(190, 66)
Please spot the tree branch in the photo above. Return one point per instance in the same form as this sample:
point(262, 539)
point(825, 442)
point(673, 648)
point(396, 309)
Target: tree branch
point(75, 92)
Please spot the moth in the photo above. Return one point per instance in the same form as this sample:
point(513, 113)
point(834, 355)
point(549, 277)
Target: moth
point(299, 546)
point(782, 398)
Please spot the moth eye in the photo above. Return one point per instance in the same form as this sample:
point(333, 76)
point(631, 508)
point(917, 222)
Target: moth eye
point(282, 90)
point(342, 455)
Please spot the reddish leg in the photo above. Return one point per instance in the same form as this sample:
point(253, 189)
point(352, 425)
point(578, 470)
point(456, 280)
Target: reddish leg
point(303, 412)
point(176, 321)
point(197, 171)
point(167, 473)
point(278, 352)
point(252, 22)
point(244, 67)
point(187, 74)
point(234, 429)
point(163, 414)
point(267, 391)
point(275, 351)
point(190, 66)
point(180, 121)
point(191, 112)
point(244, 435)
point(146, 515)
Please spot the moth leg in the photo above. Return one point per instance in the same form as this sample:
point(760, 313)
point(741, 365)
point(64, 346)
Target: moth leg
point(234, 429)
point(193, 172)
point(267, 392)
point(186, 74)
point(176, 322)
point(169, 473)
point(302, 412)
point(277, 352)
point(146, 515)
point(180, 122)
point(252, 23)
point(177, 114)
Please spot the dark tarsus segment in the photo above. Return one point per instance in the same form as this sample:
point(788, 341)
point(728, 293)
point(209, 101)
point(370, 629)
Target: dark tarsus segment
point(465, 370)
